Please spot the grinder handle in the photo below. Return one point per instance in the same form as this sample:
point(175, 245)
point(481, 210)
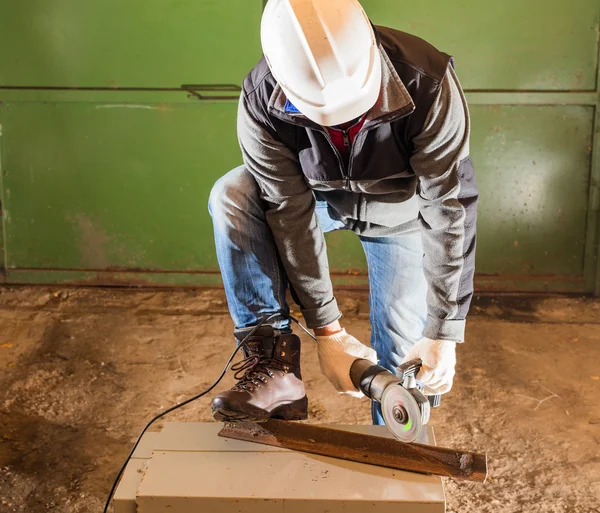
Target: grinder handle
point(435, 400)
point(411, 368)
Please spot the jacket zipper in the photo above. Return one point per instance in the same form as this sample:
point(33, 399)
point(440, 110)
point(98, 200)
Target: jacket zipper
point(346, 176)
point(338, 156)
point(360, 135)
point(348, 151)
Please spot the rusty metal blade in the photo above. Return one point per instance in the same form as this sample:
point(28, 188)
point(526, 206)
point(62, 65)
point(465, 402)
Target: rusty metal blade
point(374, 450)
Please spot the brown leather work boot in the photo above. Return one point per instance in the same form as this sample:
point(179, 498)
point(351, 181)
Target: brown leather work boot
point(269, 380)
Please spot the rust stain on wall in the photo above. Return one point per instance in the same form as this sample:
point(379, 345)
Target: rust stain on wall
point(93, 243)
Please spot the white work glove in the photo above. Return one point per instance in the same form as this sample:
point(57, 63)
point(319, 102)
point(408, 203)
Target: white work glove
point(439, 360)
point(337, 354)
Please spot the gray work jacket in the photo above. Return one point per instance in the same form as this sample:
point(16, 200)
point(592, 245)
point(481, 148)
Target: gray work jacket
point(409, 170)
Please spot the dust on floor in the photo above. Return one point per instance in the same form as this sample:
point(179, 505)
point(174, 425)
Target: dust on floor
point(82, 370)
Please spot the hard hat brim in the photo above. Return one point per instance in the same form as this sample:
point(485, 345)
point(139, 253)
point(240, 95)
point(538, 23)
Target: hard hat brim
point(347, 107)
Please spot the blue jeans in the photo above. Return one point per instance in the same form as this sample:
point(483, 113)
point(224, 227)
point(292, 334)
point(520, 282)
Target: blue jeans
point(255, 281)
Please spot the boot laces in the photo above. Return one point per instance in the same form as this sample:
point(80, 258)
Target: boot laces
point(255, 369)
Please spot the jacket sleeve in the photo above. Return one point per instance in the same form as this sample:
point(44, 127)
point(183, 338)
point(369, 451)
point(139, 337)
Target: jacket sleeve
point(447, 210)
point(291, 216)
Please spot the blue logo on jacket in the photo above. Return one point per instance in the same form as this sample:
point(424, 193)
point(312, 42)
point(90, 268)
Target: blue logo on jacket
point(289, 107)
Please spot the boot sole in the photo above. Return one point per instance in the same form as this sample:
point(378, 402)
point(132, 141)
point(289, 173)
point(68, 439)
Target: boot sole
point(296, 410)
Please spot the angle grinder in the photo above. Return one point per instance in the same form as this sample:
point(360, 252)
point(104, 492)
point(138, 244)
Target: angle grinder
point(404, 407)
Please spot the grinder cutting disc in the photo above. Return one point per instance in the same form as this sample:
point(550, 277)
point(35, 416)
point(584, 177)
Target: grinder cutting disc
point(401, 413)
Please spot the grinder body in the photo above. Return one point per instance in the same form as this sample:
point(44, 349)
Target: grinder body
point(405, 408)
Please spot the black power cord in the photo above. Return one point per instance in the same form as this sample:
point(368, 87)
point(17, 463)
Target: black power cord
point(187, 401)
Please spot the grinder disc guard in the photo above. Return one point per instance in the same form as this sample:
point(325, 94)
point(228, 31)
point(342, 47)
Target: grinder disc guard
point(401, 413)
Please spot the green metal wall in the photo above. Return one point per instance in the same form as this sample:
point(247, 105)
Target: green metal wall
point(107, 161)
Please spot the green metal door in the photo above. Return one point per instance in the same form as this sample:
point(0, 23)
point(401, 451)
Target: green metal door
point(118, 117)
point(138, 204)
point(530, 69)
point(534, 167)
point(134, 43)
point(107, 161)
point(2, 243)
point(515, 45)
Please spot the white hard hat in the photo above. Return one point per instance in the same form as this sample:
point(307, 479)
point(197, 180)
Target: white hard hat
point(324, 55)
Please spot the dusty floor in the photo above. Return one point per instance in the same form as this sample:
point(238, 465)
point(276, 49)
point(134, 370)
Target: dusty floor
point(82, 370)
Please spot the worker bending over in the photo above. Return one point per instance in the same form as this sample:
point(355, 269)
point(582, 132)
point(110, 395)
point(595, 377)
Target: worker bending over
point(344, 126)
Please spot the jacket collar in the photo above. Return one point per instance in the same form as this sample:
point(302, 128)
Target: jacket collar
point(393, 103)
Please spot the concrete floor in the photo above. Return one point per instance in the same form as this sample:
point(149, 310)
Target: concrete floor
point(82, 370)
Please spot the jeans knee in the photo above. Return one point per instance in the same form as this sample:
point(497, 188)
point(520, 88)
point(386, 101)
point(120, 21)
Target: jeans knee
point(232, 190)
